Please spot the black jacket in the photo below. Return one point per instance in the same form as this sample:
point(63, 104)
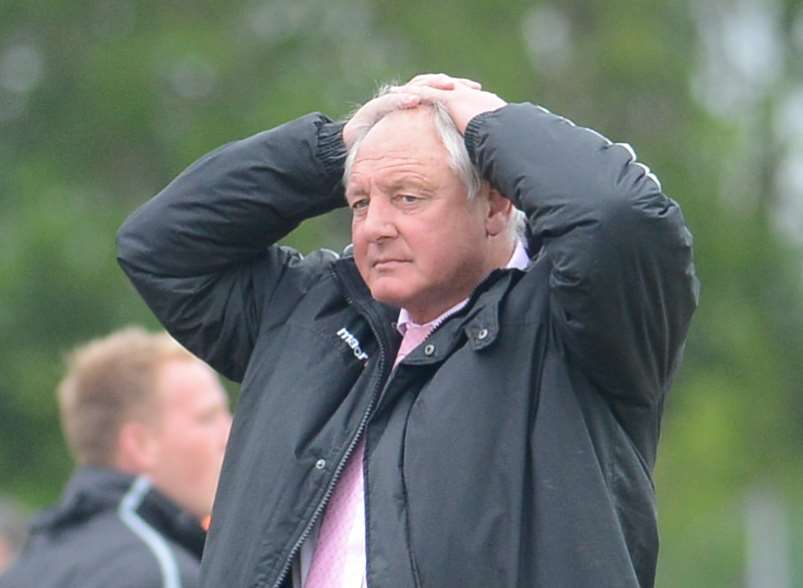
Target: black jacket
point(110, 530)
point(516, 447)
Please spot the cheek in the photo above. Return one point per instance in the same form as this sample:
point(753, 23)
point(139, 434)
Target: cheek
point(358, 243)
point(431, 254)
point(360, 256)
point(356, 233)
point(362, 266)
point(199, 464)
point(188, 448)
point(445, 261)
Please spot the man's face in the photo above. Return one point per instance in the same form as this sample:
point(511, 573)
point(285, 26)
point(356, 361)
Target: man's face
point(190, 434)
point(419, 243)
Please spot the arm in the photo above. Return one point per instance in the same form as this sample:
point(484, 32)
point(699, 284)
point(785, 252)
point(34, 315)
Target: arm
point(199, 252)
point(622, 278)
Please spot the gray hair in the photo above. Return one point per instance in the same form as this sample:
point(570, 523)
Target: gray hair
point(459, 159)
point(452, 140)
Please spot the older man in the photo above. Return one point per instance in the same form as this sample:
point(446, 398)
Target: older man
point(452, 402)
point(147, 424)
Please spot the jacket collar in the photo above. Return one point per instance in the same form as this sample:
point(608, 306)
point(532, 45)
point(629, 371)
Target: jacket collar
point(92, 490)
point(478, 319)
point(381, 316)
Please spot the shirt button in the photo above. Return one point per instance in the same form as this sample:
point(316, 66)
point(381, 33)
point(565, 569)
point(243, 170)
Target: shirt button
point(482, 334)
point(429, 349)
point(320, 464)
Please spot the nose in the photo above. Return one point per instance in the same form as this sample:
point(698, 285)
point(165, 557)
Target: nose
point(378, 222)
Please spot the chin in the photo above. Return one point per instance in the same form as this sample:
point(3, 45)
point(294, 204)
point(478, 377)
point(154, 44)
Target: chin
point(390, 296)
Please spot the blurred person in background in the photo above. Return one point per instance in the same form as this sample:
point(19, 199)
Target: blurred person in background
point(450, 402)
point(13, 531)
point(146, 423)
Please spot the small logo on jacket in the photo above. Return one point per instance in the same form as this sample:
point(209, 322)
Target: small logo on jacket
point(352, 342)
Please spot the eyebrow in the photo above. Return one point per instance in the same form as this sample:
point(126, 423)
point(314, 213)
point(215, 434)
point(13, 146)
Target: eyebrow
point(354, 192)
point(406, 181)
point(398, 182)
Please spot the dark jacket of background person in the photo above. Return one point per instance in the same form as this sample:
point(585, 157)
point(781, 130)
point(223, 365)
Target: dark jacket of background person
point(111, 530)
point(515, 447)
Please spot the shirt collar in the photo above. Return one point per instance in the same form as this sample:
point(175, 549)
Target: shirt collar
point(518, 260)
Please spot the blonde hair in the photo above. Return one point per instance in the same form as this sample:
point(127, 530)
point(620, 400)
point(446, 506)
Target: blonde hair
point(110, 381)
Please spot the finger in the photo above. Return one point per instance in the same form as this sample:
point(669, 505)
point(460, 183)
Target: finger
point(443, 82)
point(439, 80)
point(404, 98)
point(470, 83)
point(372, 111)
point(422, 91)
point(426, 78)
point(409, 100)
point(397, 98)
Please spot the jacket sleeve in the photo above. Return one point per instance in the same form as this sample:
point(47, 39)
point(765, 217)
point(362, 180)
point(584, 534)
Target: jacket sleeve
point(201, 251)
point(622, 280)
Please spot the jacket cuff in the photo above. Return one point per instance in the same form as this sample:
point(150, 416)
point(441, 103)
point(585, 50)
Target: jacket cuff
point(331, 151)
point(472, 136)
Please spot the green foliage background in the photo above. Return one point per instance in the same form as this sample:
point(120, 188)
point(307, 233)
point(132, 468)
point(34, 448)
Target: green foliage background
point(102, 102)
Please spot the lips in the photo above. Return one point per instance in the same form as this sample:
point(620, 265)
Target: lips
point(387, 263)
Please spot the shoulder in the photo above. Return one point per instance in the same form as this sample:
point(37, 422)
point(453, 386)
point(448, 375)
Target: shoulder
point(99, 553)
point(139, 568)
point(145, 558)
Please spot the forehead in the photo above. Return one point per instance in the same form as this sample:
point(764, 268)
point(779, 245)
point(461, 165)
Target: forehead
point(401, 140)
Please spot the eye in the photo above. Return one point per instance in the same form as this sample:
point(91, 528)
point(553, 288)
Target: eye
point(359, 205)
point(408, 199)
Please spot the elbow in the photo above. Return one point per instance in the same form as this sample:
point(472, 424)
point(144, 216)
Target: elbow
point(644, 218)
point(129, 245)
point(123, 242)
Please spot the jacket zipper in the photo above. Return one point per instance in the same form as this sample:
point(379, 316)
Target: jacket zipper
point(340, 466)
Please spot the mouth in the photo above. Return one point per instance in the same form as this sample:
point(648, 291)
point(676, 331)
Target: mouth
point(384, 264)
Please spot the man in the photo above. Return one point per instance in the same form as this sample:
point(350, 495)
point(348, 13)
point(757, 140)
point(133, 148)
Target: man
point(508, 439)
point(147, 425)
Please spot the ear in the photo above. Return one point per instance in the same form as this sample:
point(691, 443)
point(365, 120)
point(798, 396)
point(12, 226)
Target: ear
point(499, 209)
point(137, 449)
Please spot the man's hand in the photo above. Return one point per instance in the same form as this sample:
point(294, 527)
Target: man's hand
point(462, 101)
point(403, 97)
point(441, 81)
